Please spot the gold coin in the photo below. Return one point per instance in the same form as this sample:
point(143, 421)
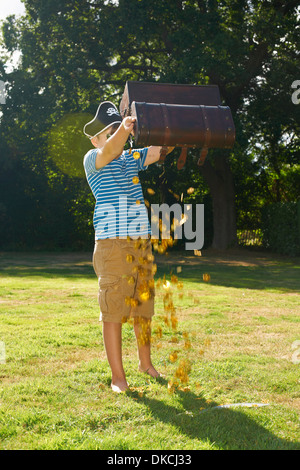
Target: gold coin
point(136, 155)
point(131, 280)
point(135, 180)
point(144, 296)
point(173, 356)
point(150, 191)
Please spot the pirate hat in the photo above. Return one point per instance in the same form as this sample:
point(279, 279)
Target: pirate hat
point(106, 115)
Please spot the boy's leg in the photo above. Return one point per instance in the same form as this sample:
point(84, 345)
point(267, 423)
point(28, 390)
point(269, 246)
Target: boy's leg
point(142, 329)
point(112, 336)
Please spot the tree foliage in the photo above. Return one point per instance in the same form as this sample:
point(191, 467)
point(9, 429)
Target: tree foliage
point(75, 53)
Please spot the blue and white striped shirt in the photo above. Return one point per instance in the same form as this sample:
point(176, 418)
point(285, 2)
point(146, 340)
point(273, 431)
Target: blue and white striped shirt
point(120, 208)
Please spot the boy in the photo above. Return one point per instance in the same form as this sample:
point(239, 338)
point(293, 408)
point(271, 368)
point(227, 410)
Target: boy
point(122, 258)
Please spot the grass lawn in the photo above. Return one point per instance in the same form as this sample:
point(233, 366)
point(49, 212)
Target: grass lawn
point(230, 340)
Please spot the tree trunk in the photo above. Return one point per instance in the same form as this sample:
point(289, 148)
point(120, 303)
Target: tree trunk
point(219, 178)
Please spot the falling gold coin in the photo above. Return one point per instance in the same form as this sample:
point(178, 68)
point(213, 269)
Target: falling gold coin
point(172, 386)
point(135, 180)
point(174, 322)
point(154, 269)
point(144, 296)
point(138, 202)
point(190, 190)
point(129, 258)
point(159, 332)
point(150, 191)
point(206, 277)
point(136, 155)
point(173, 356)
point(131, 280)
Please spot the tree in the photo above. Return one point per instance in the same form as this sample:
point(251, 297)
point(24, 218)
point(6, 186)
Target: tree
point(71, 49)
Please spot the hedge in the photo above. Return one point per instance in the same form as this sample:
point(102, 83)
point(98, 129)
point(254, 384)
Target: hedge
point(281, 228)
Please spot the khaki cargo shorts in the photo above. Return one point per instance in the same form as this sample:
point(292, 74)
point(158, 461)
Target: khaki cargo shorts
point(125, 272)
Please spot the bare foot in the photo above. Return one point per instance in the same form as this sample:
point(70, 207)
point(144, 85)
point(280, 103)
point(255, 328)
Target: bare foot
point(151, 371)
point(119, 386)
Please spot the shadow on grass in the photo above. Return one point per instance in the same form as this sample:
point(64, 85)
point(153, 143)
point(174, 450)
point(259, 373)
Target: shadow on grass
point(280, 276)
point(280, 279)
point(47, 265)
point(251, 272)
point(226, 428)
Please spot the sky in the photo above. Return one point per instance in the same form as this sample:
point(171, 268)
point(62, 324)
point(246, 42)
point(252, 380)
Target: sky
point(11, 7)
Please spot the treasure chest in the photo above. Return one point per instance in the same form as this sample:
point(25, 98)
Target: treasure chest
point(187, 116)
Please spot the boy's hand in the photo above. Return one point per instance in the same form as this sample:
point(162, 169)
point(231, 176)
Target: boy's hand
point(128, 123)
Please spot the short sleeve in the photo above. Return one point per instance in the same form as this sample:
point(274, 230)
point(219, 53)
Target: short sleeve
point(141, 161)
point(89, 161)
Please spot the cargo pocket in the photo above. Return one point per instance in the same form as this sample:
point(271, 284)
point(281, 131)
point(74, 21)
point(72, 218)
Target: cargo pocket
point(107, 247)
point(109, 295)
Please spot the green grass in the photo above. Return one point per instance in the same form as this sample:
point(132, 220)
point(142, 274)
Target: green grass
point(236, 332)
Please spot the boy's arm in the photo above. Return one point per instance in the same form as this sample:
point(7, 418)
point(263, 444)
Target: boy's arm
point(114, 146)
point(153, 154)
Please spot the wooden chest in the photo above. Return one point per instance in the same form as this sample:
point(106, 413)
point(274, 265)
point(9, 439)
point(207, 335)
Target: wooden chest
point(183, 126)
point(178, 115)
point(167, 93)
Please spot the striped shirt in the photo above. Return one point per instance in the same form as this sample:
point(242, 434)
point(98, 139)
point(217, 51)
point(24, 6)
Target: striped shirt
point(120, 208)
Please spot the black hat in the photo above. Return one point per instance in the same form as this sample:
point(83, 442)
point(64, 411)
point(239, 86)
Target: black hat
point(106, 115)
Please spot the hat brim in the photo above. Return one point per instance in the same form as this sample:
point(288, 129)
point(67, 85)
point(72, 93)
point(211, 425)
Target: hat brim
point(103, 130)
point(92, 131)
